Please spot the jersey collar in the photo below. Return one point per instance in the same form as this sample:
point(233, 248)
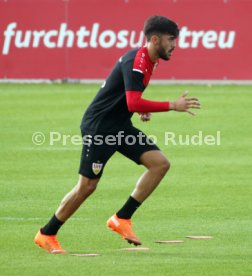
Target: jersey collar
point(145, 50)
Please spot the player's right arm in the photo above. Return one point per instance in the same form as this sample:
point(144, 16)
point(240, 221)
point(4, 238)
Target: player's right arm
point(135, 83)
point(137, 104)
point(184, 103)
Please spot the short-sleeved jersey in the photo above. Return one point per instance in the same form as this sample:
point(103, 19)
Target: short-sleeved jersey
point(108, 111)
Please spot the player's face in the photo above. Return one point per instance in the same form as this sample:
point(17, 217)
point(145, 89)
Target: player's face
point(166, 45)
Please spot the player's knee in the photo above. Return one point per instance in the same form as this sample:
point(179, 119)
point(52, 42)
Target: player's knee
point(90, 187)
point(86, 187)
point(164, 166)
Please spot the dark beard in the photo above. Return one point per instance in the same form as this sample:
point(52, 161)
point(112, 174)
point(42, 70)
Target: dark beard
point(162, 54)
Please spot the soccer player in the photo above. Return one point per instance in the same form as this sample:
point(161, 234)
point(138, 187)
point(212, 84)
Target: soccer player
point(110, 114)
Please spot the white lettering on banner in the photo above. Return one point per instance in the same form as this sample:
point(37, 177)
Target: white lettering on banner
point(36, 38)
point(122, 37)
point(8, 34)
point(132, 38)
point(110, 41)
point(26, 39)
point(94, 34)
point(208, 39)
point(81, 37)
point(47, 39)
point(94, 38)
point(64, 33)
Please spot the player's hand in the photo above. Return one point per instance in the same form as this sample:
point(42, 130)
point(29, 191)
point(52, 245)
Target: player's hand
point(145, 117)
point(184, 103)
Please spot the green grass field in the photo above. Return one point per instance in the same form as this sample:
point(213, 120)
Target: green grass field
point(207, 191)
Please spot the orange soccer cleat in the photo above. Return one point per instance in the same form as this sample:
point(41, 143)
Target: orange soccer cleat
point(123, 228)
point(49, 243)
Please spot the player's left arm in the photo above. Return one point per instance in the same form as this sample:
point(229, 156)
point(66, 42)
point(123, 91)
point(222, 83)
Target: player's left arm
point(145, 117)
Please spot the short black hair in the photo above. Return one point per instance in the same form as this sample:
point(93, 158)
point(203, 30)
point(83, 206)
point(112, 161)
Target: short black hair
point(160, 25)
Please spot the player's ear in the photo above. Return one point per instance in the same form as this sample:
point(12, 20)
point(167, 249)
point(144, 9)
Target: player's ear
point(155, 39)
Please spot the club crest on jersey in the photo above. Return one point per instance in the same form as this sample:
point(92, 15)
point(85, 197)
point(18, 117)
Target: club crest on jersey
point(97, 167)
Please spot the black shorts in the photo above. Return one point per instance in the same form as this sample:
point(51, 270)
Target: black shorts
point(99, 147)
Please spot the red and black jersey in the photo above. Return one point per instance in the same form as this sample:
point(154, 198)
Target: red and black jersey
point(109, 111)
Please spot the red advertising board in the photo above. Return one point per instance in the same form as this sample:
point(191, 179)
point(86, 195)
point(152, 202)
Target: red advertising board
point(81, 39)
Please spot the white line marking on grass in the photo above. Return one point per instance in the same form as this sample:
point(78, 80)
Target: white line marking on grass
point(85, 255)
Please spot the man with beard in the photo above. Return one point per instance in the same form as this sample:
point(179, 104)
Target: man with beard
point(110, 114)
